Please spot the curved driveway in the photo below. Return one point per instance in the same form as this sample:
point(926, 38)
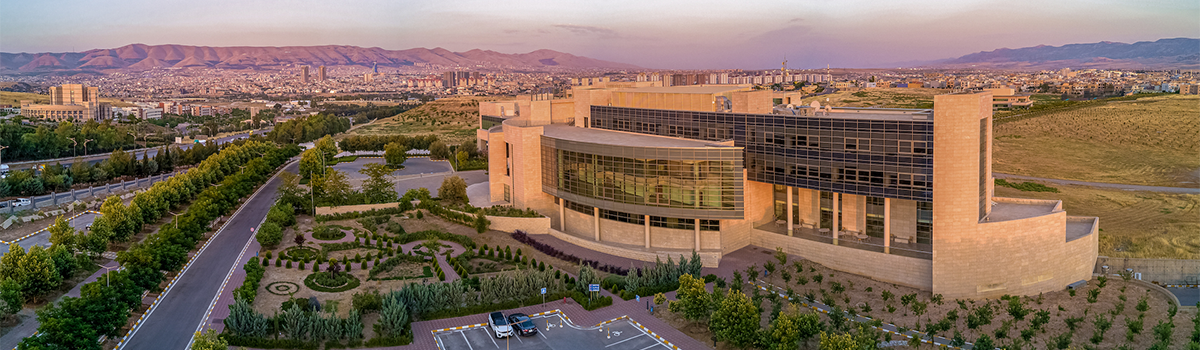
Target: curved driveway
point(1191, 190)
point(171, 324)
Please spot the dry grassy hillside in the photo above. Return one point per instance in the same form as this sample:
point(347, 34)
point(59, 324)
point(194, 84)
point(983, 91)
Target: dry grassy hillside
point(452, 119)
point(1150, 141)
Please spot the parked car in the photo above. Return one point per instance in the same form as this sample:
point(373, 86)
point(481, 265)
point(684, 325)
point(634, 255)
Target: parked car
point(20, 202)
point(500, 326)
point(523, 324)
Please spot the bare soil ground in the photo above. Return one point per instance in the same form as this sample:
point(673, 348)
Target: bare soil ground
point(1061, 306)
point(454, 120)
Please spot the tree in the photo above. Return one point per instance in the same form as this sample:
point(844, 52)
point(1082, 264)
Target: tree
point(461, 158)
point(269, 234)
point(693, 298)
point(586, 277)
point(394, 153)
point(121, 163)
point(10, 264)
point(331, 188)
point(210, 340)
point(11, 299)
point(392, 318)
point(439, 150)
point(290, 191)
point(327, 147)
point(453, 188)
point(62, 234)
point(791, 327)
point(64, 261)
point(378, 189)
point(81, 171)
point(311, 164)
point(39, 275)
point(736, 320)
point(837, 341)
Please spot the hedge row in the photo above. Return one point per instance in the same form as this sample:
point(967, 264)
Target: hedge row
point(520, 236)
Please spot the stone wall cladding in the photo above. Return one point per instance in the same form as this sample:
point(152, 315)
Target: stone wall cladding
point(1167, 271)
point(537, 226)
point(709, 259)
point(905, 271)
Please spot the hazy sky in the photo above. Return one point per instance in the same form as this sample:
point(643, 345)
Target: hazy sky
point(747, 34)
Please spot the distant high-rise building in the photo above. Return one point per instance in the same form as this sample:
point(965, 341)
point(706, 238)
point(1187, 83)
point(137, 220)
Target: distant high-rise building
point(321, 73)
point(304, 73)
point(70, 102)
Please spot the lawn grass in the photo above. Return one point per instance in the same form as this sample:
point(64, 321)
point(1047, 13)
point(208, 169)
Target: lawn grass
point(1132, 224)
point(1150, 141)
point(454, 120)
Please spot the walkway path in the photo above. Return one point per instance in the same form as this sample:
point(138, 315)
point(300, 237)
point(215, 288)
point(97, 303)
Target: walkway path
point(1126, 187)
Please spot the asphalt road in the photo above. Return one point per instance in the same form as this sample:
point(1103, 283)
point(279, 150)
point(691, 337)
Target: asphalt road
point(1187, 296)
point(412, 166)
point(619, 335)
point(43, 239)
point(172, 323)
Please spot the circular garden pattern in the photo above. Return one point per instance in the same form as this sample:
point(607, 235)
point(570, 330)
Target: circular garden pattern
point(300, 253)
point(284, 288)
point(325, 281)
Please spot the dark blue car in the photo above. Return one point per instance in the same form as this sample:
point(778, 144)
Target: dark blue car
point(522, 324)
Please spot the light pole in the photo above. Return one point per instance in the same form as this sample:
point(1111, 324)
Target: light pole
point(73, 144)
point(176, 219)
point(85, 142)
point(107, 280)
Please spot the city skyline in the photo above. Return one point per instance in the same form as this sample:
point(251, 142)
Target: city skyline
point(659, 35)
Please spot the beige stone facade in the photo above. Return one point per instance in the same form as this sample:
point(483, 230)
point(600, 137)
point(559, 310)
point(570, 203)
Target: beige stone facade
point(959, 241)
point(70, 102)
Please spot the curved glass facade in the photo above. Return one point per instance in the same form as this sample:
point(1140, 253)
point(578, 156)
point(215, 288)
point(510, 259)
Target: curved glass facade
point(703, 182)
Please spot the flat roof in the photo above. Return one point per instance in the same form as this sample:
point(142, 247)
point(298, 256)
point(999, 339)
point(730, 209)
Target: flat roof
point(1012, 209)
point(692, 89)
point(621, 138)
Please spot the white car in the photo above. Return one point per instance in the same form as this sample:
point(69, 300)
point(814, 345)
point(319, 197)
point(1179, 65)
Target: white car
point(500, 326)
point(20, 202)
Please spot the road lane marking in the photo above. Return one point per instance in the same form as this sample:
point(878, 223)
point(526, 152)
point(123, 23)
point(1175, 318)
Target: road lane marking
point(490, 336)
point(626, 339)
point(464, 334)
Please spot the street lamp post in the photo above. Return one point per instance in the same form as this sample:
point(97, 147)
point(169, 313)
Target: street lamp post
point(73, 144)
point(85, 142)
point(176, 219)
point(107, 279)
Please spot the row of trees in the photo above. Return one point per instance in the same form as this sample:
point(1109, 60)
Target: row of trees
point(301, 130)
point(734, 317)
point(120, 164)
point(48, 142)
point(379, 142)
point(213, 187)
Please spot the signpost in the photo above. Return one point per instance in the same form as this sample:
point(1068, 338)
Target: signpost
point(592, 289)
point(543, 295)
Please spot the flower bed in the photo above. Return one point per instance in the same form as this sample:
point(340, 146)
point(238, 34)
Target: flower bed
point(328, 233)
point(325, 282)
point(520, 236)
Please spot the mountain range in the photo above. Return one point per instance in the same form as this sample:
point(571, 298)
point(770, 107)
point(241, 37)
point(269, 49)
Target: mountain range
point(138, 57)
point(1174, 53)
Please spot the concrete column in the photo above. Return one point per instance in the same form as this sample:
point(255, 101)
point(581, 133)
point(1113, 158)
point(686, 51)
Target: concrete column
point(596, 222)
point(697, 222)
point(562, 214)
point(53, 198)
point(887, 225)
point(646, 223)
point(836, 209)
point(789, 211)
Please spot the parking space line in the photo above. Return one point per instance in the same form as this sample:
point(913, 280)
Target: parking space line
point(489, 336)
point(464, 334)
point(655, 344)
point(626, 339)
point(543, 335)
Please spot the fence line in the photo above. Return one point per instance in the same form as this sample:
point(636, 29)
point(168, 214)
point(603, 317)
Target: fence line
point(55, 199)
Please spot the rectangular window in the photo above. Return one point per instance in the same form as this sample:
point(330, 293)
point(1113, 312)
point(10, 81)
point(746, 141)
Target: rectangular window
point(710, 225)
point(925, 222)
point(507, 193)
point(622, 217)
point(580, 208)
point(673, 223)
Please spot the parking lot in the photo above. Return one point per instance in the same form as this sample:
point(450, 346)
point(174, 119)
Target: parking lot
point(555, 333)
